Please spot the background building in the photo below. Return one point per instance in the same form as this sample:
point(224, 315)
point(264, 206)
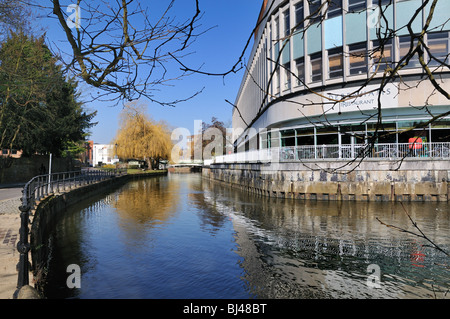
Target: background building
point(11, 153)
point(313, 81)
point(103, 154)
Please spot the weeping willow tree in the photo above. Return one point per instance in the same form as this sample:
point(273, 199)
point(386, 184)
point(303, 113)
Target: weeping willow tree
point(141, 138)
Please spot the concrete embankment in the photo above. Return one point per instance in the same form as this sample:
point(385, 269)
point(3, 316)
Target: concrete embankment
point(43, 218)
point(410, 180)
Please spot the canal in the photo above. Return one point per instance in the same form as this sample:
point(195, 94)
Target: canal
point(184, 237)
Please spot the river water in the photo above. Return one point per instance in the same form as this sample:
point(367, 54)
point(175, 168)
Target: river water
point(184, 237)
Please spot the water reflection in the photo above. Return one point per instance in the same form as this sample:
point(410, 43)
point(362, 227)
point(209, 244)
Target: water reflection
point(185, 237)
point(148, 201)
point(304, 249)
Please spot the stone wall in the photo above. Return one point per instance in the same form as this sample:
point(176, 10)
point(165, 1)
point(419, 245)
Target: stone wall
point(21, 170)
point(410, 180)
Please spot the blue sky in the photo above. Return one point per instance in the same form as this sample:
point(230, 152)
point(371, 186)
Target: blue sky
point(217, 51)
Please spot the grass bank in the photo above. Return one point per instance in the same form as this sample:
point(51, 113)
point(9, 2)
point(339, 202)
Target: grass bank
point(140, 171)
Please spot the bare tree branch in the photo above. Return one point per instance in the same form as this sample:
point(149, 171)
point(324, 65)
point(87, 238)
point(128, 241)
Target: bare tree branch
point(420, 234)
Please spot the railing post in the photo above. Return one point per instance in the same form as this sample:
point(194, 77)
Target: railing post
point(23, 246)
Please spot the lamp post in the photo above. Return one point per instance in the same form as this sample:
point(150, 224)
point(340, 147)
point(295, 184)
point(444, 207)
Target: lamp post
point(49, 172)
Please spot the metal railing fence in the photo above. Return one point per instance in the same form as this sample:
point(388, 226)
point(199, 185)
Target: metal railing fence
point(382, 151)
point(38, 188)
point(43, 185)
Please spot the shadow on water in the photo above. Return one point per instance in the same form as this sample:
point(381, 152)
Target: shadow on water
point(180, 236)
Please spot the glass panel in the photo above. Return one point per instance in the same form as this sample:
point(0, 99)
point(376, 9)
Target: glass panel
point(381, 60)
point(354, 33)
point(335, 63)
point(305, 131)
point(383, 2)
point(297, 40)
point(333, 33)
point(327, 130)
point(316, 67)
point(334, 8)
point(286, 54)
point(441, 124)
point(314, 38)
point(440, 19)
point(327, 139)
point(315, 13)
point(299, 16)
point(305, 140)
point(383, 127)
point(405, 47)
point(288, 141)
point(440, 135)
point(407, 124)
point(358, 58)
point(277, 29)
point(404, 12)
point(380, 21)
point(356, 5)
point(439, 48)
point(287, 23)
point(287, 76)
point(287, 133)
point(300, 66)
point(276, 80)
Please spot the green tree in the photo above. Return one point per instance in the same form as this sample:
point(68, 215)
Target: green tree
point(40, 109)
point(215, 139)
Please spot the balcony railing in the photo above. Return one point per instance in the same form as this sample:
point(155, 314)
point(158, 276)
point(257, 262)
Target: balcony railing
point(385, 151)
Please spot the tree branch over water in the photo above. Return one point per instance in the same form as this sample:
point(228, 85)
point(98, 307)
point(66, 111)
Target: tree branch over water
point(420, 234)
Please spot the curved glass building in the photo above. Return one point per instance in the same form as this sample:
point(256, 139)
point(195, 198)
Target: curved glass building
point(312, 84)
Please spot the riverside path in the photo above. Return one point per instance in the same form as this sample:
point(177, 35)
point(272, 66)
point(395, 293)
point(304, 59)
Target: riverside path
point(9, 235)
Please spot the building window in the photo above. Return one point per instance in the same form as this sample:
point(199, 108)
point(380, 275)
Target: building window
point(383, 2)
point(299, 16)
point(315, 11)
point(335, 63)
point(404, 47)
point(300, 68)
point(382, 55)
point(276, 80)
point(277, 29)
point(356, 5)
point(438, 47)
point(287, 23)
point(270, 56)
point(288, 138)
point(316, 67)
point(357, 58)
point(287, 75)
point(334, 8)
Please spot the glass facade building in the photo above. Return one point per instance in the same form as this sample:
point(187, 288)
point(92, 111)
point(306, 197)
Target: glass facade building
point(316, 68)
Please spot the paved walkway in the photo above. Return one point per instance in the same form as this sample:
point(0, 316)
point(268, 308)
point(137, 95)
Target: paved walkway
point(9, 236)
